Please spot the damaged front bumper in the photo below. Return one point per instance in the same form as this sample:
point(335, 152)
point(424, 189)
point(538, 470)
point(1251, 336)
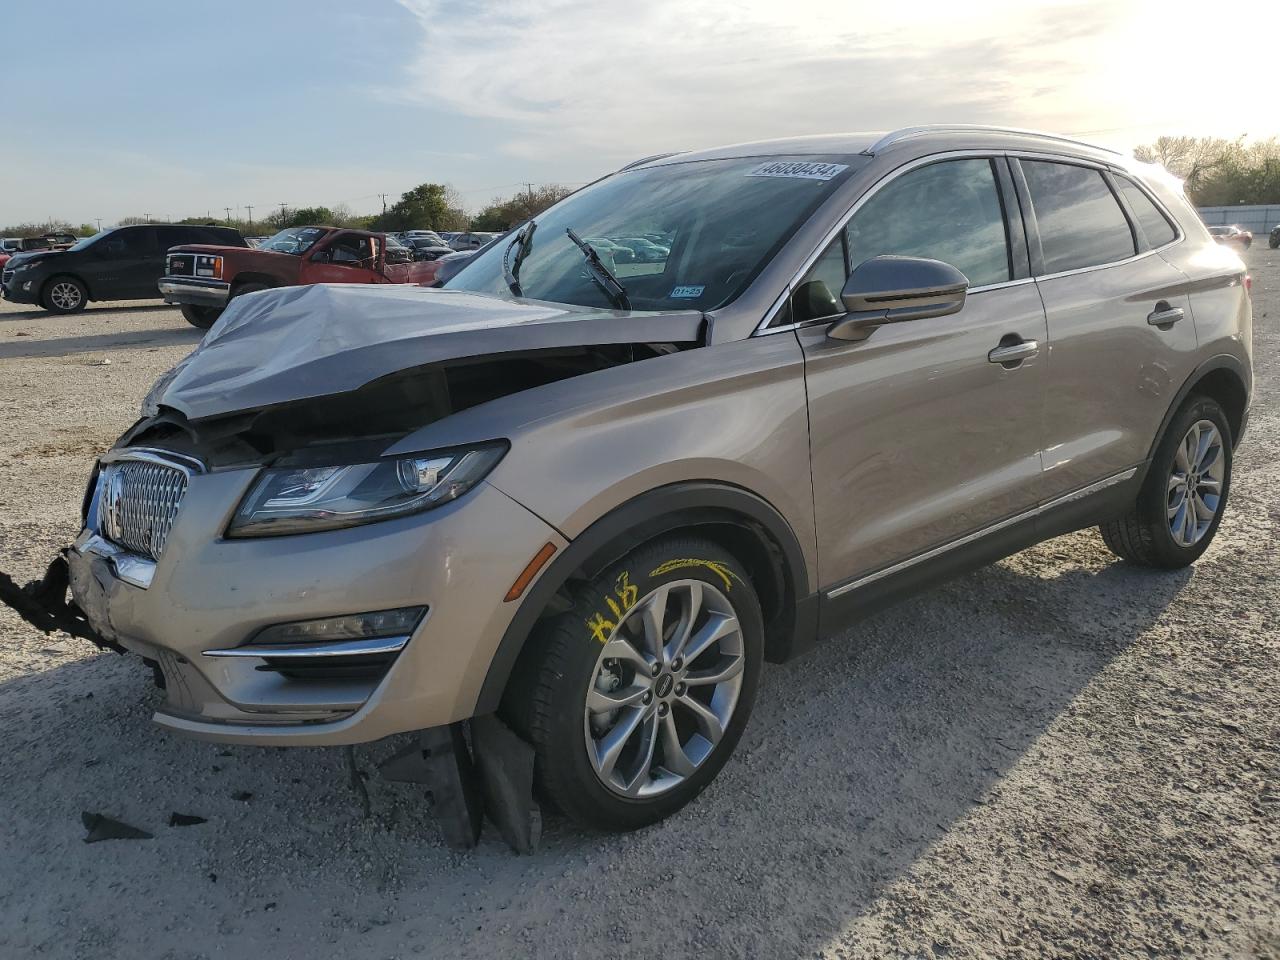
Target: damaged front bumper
point(207, 596)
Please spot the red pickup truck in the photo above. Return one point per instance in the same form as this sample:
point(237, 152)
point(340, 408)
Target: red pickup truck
point(203, 278)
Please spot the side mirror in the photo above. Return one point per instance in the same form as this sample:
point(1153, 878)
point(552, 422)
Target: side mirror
point(893, 289)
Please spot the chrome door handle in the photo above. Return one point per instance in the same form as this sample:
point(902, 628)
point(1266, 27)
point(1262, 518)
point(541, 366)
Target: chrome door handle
point(1165, 317)
point(1014, 352)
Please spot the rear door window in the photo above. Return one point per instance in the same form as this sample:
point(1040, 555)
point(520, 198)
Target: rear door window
point(1155, 225)
point(1080, 220)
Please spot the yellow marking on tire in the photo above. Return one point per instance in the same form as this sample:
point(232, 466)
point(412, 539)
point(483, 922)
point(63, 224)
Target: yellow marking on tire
point(681, 563)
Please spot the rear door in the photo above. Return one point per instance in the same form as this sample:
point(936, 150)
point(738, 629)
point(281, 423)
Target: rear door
point(918, 438)
point(1121, 335)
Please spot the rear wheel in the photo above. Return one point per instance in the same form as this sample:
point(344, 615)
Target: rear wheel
point(636, 696)
point(64, 295)
point(202, 317)
point(1184, 495)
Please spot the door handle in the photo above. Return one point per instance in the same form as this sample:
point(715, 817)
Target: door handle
point(1014, 352)
point(1165, 315)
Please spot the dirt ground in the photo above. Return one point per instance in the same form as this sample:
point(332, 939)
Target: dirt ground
point(1056, 756)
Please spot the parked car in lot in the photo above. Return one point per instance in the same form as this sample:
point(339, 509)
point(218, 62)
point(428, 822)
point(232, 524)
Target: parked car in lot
point(470, 241)
point(1232, 234)
point(1273, 240)
point(203, 279)
point(595, 505)
point(122, 263)
point(11, 246)
point(427, 248)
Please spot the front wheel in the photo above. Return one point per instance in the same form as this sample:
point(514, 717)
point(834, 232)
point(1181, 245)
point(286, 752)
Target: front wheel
point(1184, 495)
point(202, 317)
point(64, 295)
point(635, 697)
point(1273, 242)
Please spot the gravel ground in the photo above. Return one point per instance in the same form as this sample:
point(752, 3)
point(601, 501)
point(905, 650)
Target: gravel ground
point(1055, 756)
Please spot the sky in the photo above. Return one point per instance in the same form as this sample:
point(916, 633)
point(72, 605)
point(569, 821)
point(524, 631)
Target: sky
point(178, 109)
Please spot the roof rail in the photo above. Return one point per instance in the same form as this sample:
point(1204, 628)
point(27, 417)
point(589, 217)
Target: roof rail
point(906, 133)
point(656, 156)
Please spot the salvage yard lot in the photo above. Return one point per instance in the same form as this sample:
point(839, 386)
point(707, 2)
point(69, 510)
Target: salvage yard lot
point(1058, 755)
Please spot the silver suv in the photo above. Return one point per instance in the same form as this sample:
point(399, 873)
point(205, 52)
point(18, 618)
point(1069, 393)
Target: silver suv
point(591, 492)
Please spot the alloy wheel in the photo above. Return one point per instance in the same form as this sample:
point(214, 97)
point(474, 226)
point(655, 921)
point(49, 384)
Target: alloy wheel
point(664, 688)
point(65, 295)
point(1195, 483)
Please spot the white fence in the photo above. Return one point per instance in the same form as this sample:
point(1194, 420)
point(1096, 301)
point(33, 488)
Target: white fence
point(1258, 218)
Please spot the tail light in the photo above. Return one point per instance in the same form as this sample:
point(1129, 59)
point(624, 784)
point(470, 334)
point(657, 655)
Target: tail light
point(1248, 284)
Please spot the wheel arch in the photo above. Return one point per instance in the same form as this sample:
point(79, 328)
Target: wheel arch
point(1224, 378)
point(251, 277)
point(68, 275)
point(743, 523)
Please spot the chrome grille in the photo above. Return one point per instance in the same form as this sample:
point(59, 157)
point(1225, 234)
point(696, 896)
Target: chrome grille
point(140, 499)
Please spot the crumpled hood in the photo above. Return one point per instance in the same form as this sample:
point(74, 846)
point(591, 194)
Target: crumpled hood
point(296, 343)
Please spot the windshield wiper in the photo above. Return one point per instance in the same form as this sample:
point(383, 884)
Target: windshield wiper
point(602, 275)
point(520, 243)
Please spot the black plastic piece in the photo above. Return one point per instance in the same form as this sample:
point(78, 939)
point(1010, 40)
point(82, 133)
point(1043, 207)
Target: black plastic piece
point(505, 763)
point(440, 761)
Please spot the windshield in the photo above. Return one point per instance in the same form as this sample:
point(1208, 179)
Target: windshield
point(295, 240)
point(85, 242)
point(683, 236)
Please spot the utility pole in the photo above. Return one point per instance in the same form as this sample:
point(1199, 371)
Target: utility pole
point(228, 209)
point(249, 207)
point(284, 214)
point(99, 219)
point(384, 203)
point(148, 216)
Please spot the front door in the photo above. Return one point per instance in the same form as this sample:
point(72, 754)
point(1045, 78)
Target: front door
point(347, 257)
point(918, 436)
point(123, 267)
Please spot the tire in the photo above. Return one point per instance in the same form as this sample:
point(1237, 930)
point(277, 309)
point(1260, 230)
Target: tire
point(202, 317)
point(1156, 534)
point(1273, 242)
point(64, 294)
point(565, 660)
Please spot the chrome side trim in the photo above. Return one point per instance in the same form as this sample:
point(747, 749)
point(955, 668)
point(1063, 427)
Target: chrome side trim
point(343, 648)
point(129, 567)
point(979, 534)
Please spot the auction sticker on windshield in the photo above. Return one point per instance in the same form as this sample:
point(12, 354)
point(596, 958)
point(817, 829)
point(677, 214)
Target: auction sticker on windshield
point(799, 170)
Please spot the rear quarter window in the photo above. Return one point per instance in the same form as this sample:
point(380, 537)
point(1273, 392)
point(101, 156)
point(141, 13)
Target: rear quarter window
point(1080, 220)
point(1155, 224)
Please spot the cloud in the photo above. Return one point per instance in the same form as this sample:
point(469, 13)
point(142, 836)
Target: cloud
point(622, 81)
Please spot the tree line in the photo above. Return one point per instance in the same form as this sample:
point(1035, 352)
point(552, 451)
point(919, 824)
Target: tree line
point(1218, 172)
point(428, 206)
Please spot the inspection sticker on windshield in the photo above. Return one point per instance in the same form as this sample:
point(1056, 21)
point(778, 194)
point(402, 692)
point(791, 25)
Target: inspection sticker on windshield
point(687, 293)
point(799, 169)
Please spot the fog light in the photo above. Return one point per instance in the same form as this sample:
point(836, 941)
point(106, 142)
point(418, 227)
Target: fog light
point(355, 626)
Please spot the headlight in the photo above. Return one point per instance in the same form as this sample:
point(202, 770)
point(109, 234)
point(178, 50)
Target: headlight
point(305, 499)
